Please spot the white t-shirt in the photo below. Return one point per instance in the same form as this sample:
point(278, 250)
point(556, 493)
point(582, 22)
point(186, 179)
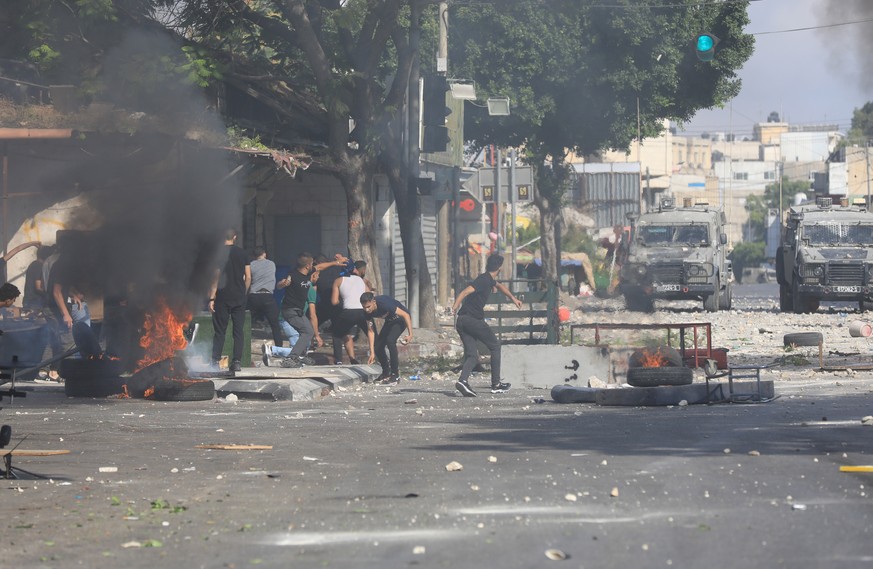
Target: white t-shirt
point(351, 288)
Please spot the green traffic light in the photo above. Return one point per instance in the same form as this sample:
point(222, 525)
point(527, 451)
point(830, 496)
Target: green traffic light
point(706, 46)
point(705, 43)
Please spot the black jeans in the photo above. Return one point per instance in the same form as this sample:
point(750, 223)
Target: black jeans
point(224, 312)
point(472, 330)
point(342, 325)
point(264, 304)
point(387, 338)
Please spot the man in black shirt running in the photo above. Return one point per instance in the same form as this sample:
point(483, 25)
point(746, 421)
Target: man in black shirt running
point(471, 326)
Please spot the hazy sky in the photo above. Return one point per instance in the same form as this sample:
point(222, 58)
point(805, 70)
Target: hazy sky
point(809, 77)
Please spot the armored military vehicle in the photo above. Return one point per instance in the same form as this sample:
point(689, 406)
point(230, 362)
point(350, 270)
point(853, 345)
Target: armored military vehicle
point(826, 253)
point(677, 253)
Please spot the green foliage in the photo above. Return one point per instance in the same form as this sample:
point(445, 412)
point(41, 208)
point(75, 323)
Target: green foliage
point(527, 234)
point(96, 10)
point(862, 124)
point(43, 56)
point(238, 138)
point(747, 254)
point(577, 240)
point(758, 206)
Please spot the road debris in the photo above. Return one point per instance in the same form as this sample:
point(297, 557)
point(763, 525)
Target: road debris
point(614, 492)
point(454, 466)
point(236, 447)
point(556, 555)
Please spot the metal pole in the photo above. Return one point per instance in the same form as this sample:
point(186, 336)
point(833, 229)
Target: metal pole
point(498, 199)
point(5, 196)
point(513, 197)
point(443, 261)
point(867, 152)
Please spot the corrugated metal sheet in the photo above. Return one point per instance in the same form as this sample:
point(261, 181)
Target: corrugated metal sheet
point(608, 197)
point(429, 236)
point(398, 264)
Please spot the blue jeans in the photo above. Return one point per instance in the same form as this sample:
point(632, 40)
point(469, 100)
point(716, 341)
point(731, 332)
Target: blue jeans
point(290, 333)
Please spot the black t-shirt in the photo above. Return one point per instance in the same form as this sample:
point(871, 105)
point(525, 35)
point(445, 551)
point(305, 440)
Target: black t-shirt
point(326, 278)
point(33, 297)
point(232, 282)
point(297, 291)
point(3, 270)
point(474, 303)
point(386, 307)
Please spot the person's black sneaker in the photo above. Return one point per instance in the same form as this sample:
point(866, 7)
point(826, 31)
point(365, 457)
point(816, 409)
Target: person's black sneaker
point(235, 366)
point(353, 361)
point(392, 379)
point(306, 360)
point(465, 389)
point(501, 387)
point(291, 362)
point(382, 377)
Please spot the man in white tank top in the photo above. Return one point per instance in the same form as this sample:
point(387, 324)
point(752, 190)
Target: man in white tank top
point(347, 293)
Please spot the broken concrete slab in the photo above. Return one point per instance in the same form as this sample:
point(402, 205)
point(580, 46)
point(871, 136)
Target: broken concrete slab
point(293, 384)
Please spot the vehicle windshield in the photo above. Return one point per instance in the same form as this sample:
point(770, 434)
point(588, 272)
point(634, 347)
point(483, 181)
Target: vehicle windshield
point(674, 235)
point(838, 234)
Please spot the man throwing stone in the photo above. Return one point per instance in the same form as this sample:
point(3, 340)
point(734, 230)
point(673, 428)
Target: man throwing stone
point(471, 326)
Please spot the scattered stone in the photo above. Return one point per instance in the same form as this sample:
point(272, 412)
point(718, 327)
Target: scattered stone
point(683, 403)
point(418, 550)
point(570, 497)
point(231, 398)
point(454, 466)
point(727, 451)
point(614, 492)
point(868, 420)
point(556, 555)
point(108, 469)
point(754, 453)
point(411, 402)
point(492, 459)
point(596, 382)
point(798, 506)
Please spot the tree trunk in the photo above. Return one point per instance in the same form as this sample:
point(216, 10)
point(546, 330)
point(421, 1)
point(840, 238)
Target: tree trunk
point(356, 176)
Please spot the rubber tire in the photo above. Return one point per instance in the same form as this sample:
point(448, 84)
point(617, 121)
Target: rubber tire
point(802, 339)
point(726, 299)
point(659, 376)
point(91, 378)
point(786, 303)
point(573, 394)
point(183, 390)
point(713, 301)
point(672, 355)
point(638, 302)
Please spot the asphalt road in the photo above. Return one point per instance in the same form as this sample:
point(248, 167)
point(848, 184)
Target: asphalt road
point(359, 480)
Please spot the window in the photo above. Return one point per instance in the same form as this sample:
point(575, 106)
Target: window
point(769, 175)
point(741, 175)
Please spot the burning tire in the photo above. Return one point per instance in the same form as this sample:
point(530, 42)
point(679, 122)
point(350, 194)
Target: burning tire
point(802, 339)
point(667, 355)
point(182, 390)
point(91, 378)
point(658, 376)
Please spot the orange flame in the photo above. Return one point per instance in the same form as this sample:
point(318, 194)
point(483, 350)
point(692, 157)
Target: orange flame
point(163, 335)
point(652, 359)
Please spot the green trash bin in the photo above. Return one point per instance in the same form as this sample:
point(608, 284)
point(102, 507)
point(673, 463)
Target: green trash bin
point(205, 332)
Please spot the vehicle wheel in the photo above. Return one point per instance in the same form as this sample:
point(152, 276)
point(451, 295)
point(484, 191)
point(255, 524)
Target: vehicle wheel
point(668, 354)
point(726, 299)
point(182, 390)
point(780, 265)
point(800, 303)
point(657, 376)
point(711, 302)
point(91, 378)
point(802, 339)
point(638, 302)
point(786, 303)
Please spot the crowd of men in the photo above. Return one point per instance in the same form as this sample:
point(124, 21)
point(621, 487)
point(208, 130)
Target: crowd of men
point(319, 296)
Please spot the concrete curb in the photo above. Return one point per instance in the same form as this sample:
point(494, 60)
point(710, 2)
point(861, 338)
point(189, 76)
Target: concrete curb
point(302, 384)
